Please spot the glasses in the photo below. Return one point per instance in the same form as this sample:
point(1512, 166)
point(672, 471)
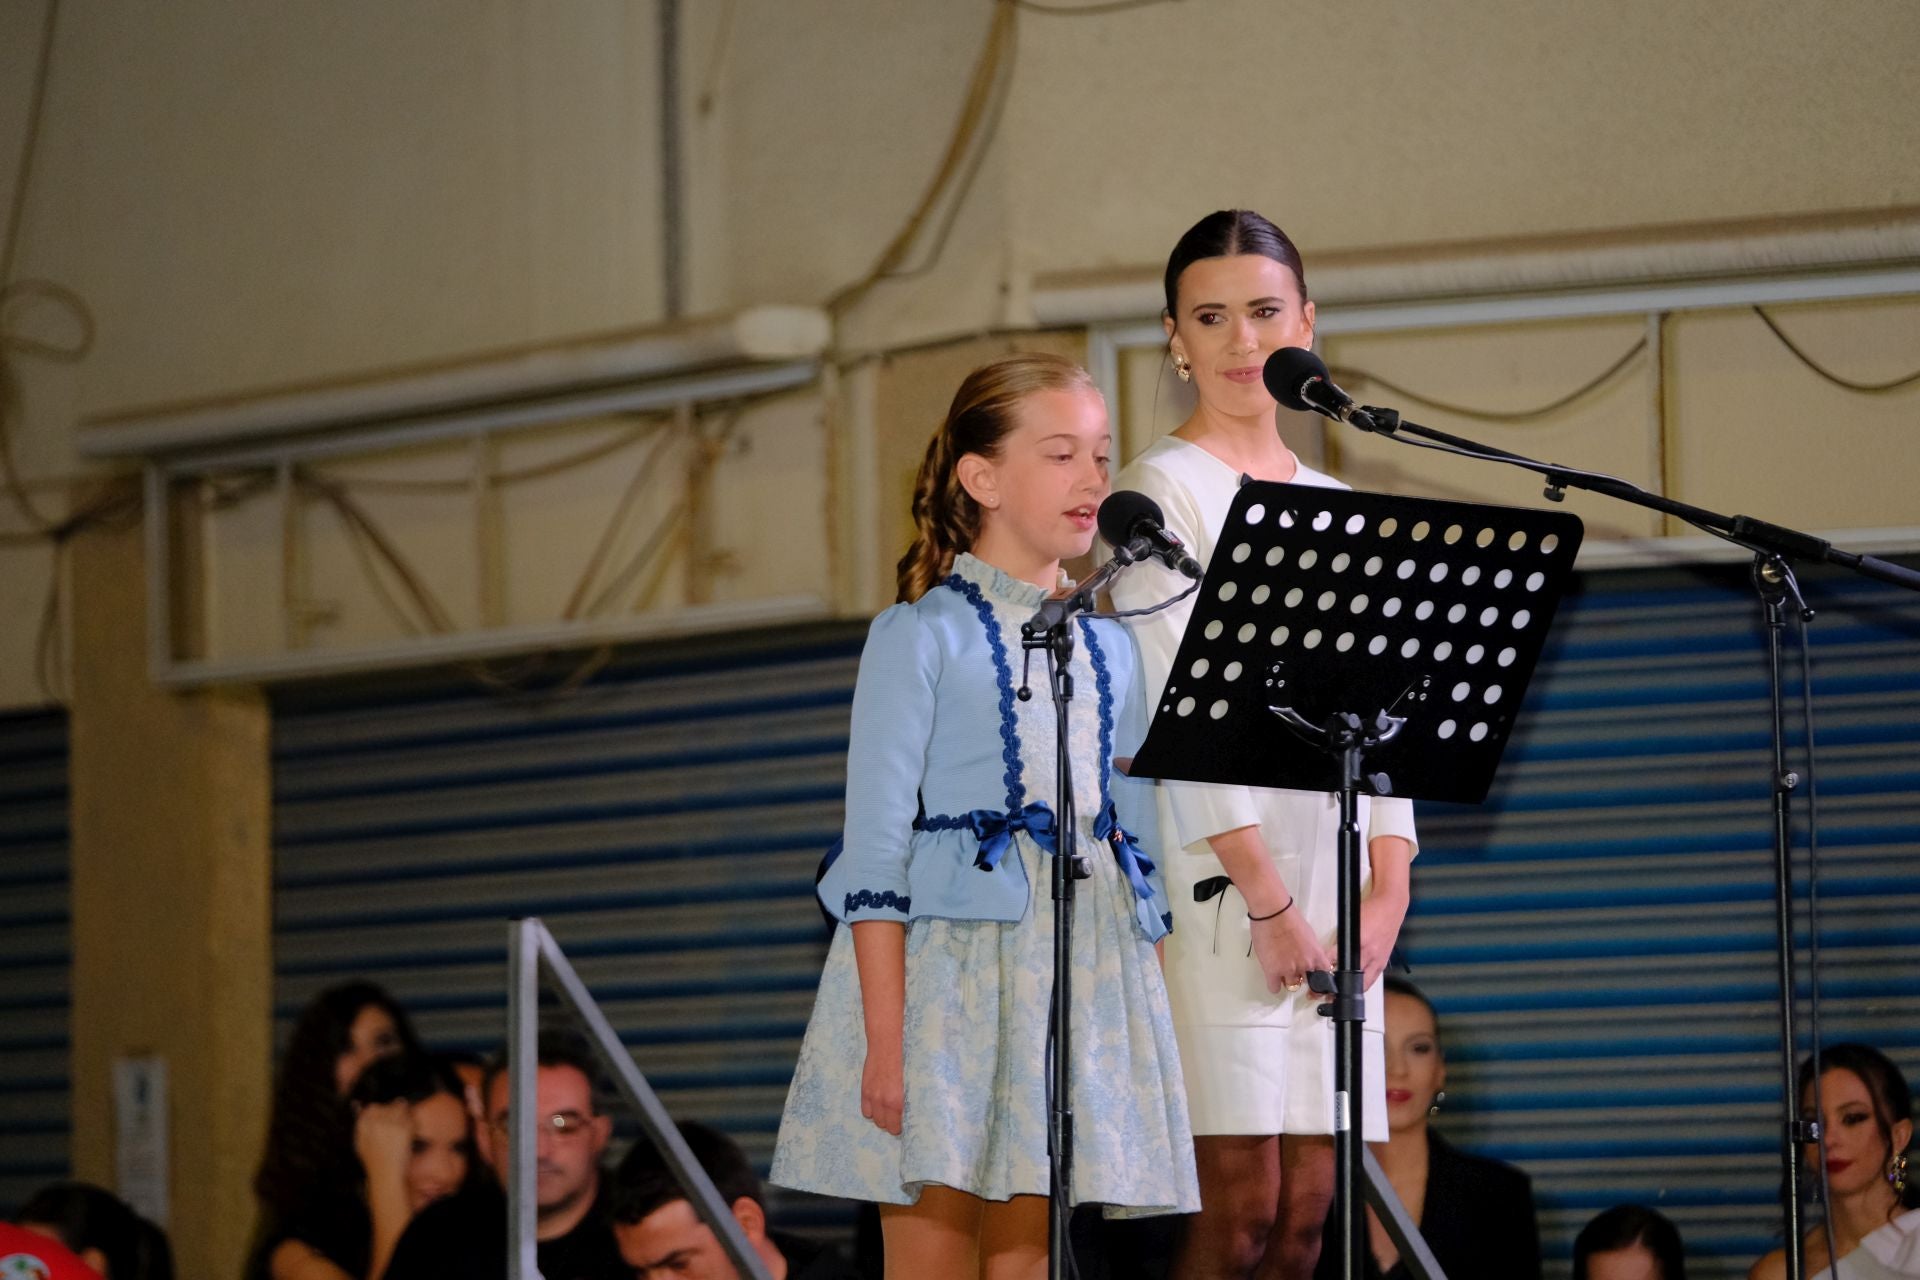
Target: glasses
point(561, 1124)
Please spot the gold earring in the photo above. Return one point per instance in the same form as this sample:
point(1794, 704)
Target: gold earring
point(1182, 367)
point(1897, 1174)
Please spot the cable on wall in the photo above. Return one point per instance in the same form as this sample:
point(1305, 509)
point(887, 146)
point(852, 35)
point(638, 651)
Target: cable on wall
point(1356, 375)
point(1864, 388)
point(973, 113)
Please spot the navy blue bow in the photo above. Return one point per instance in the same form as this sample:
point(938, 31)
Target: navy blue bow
point(996, 830)
point(1126, 851)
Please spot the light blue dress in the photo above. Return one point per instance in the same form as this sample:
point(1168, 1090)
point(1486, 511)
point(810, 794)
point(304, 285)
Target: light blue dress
point(949, 829)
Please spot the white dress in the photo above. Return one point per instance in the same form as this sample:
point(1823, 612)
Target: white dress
point(1891, 1252)
point(1255, 1063)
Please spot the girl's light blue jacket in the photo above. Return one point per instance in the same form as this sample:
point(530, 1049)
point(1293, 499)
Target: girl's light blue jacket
point(934, 786)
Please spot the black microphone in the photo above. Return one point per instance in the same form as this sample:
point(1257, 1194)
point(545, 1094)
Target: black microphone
point(1298, 379)
point(1132, 524)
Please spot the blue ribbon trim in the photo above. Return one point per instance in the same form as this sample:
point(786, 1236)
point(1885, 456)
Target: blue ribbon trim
point(1103, 682)
point(1134, 862)
point(903, 903)
point(1003, 674)
point(995, 830)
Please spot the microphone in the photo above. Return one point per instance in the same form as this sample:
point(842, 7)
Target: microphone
point(1298, 379)
point(1131, 522)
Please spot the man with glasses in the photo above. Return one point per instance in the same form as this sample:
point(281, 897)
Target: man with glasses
point(464, 1237)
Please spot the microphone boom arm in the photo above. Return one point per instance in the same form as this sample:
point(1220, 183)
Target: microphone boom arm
point(1758, 536)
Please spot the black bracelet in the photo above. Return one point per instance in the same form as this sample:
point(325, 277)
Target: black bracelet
point(1272, 914)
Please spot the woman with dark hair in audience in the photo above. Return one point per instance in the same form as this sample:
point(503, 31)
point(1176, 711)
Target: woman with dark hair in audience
point(100, 1229)
point(339, 1033)
point(1629, 1242)
point(1475, 1214)
point(408, 1143)
point(1866, 1112)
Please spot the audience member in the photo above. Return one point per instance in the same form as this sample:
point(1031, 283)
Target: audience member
point(472, 1070)
point(99, 1229)
point(1629, 1242)
point(310, 1131)
point(412, 1143)
point(38, 1254)
point(660, 1234)
point(1475, 1214)
point(1866, 1114)
point(464, 1237)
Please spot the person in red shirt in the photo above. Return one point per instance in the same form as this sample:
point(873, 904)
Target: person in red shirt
point(28, 1254)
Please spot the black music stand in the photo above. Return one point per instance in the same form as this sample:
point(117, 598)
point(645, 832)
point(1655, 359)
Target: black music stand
point(1354, 642)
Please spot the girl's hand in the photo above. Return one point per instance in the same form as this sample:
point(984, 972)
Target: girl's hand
point(882, 1087)
point(383, 1137)
point(1380, 918)
point(1287, 949)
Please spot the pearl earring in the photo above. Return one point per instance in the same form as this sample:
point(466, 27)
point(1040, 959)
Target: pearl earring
point(1183, 367)
point(1438, 1098)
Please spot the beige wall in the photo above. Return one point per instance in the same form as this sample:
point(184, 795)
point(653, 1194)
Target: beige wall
point(251, 197)
point(1378, 123)
point(170, 909)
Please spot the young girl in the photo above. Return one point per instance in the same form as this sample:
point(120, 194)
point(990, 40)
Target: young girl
point(922, 1082)
point(1259, 1062)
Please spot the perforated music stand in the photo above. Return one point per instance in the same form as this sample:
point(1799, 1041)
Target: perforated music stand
point(1352, 642)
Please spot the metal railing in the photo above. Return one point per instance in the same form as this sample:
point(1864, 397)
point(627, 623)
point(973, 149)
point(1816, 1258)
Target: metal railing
point(531, 952)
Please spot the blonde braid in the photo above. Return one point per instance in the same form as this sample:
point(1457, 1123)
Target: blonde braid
point(945, 520)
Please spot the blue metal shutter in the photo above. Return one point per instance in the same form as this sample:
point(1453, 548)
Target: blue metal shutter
point(665, 820)
point(35, 955)
point(1598, 939)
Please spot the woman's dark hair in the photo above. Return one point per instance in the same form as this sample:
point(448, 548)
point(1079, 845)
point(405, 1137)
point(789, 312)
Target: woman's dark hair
point(1224, 234)
point(1624, 1226)
point(310, 1132)
point(406, 1077)
point(1394, 984)
point(84, 1217)
point(1886, 1088)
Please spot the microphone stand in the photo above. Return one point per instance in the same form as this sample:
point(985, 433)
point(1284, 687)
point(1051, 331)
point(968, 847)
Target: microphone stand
point(1050, 631)
point(1774, 547)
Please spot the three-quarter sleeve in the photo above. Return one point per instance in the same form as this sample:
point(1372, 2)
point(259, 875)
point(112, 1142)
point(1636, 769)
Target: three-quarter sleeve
point(1392, 816)
point(893, 699)
point(1198, 809)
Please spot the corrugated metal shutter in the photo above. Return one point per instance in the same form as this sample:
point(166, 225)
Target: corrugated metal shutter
point(1598, 939)
point(664, 820)
point(35, 954)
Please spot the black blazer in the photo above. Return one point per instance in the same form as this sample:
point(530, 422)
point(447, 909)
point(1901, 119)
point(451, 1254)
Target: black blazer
point(1478, 1221)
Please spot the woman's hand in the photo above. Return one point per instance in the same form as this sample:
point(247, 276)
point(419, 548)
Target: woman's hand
point(383, 1138)
point(1380, 919)
point(1385, 908)
point(1287, 949)
point(882, 1087)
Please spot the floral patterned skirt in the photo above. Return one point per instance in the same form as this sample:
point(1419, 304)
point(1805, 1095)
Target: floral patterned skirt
point(975, 1116)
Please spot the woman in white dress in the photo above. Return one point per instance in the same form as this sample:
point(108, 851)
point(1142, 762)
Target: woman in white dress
point(1251, 872)
point(1867, 1113)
